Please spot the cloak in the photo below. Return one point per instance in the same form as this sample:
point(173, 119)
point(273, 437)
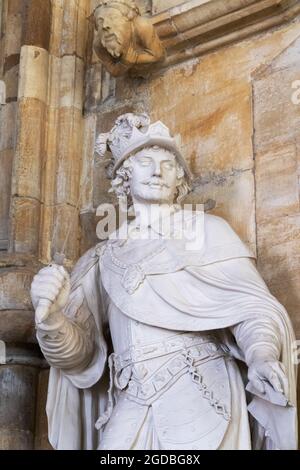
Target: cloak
point(213, 287)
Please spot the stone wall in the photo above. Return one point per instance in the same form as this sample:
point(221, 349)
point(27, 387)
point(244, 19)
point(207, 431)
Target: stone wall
point(238, 122)
point(43, 55)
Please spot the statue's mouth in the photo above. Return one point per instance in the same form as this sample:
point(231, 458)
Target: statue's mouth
point(156, 185)
point(110, 37)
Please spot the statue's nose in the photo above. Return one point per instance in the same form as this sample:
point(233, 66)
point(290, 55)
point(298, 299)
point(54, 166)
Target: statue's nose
point(106, 25)
point(157, 169)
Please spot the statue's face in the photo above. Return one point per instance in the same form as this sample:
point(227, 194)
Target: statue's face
point(113, 29)
point(154, 176)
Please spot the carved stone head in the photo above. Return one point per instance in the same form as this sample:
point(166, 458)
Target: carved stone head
point(124, 40)
point(113, 20)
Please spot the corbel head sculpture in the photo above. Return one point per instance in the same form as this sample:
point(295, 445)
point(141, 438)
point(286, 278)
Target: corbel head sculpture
point(145, 161)
point(123, 38)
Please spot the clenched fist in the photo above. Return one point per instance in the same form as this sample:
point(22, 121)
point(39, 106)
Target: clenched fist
point(50, 287)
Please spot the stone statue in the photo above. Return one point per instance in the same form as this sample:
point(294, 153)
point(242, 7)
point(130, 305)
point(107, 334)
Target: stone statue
point(124, 40)
point(156, 343)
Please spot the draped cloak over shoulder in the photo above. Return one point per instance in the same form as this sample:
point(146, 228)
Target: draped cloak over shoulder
point(214, 287)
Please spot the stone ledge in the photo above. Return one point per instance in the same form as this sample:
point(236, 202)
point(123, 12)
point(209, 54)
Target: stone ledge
point(25, 355)
point(194, 28)
point(17, 326)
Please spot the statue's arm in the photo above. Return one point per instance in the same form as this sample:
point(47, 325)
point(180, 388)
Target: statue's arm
point(258, 339)
point(150, 49)
point(68, 344)
point(66, 331)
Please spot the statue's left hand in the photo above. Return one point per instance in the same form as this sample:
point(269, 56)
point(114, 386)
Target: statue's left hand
point(271, 371)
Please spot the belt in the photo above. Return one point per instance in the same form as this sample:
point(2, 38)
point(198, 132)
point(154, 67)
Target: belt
point(174, 344)
point(191, 351)
point(186, 361)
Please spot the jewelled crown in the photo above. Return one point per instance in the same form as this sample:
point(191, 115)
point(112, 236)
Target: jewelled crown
point(131, 133)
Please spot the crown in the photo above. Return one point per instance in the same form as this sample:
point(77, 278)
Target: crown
point(130, 4)
point(131, 133)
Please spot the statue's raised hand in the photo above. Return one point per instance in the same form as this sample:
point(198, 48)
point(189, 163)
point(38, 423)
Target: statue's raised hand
point(271, 371)
point(50, 291)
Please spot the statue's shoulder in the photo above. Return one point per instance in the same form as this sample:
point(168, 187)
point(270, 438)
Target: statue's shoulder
point(210, 222)
point(86, 262)
point(217, 230)
point(221, 237)
point(215, 222)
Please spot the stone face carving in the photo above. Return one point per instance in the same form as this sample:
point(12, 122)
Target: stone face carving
point(179, 319)
point(124, 40)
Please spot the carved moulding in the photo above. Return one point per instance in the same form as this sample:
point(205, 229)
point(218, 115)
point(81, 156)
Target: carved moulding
point(187, 30)
point(199, 26)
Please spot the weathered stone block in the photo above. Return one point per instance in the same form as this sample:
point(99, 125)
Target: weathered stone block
point(41, 441)
point(69, 152)
point(71, 82)
point(33, 81)
point(15, 289)
point(216, 133)
point(6, 160)
point(232, 197)
point(276, 117)
point(81, 33)
point(30, 148)
point(54, 81)
point(17, 407)
point(8, 122)
point(66, 226)
point(93, 88)
point(56, 27)
point(277, 186)
point(13, 27)
point(11, 79)
point(37, 17)
point(278, 247)
point(26, 223)
point(161, 5)
point(89, 137)
point(69, 28)
point(17, 326)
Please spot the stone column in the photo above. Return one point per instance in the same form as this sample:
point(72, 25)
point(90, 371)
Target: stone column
point(25, 44)
point(43, 62)
point(19, 394)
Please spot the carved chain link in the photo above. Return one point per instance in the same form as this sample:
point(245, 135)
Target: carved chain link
point(205, 392)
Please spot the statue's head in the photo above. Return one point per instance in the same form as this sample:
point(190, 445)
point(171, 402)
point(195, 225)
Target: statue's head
point(146, 163)
point(113, 23)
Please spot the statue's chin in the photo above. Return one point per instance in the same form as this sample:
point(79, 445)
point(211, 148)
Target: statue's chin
point(154, 196)
point(114, 51)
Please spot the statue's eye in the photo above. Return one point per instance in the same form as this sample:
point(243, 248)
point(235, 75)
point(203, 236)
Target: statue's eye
point(99, 23)
point(169, 165)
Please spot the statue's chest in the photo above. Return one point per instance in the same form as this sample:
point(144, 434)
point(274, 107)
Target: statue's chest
point(127, 333)
point(136, 259)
